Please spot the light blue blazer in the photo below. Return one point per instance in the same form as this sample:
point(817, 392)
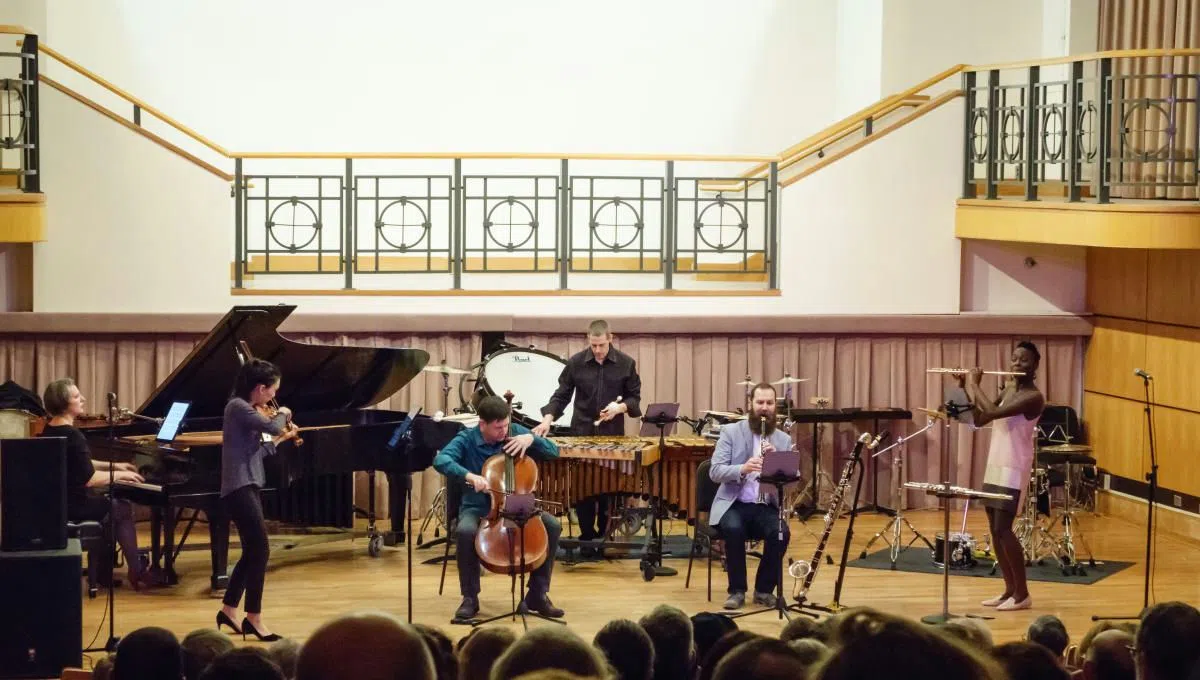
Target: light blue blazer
point(734, 447)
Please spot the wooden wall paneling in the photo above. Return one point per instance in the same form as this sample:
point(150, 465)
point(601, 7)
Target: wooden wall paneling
point(1173, 358)
point(1116, 282)
point(1116, 348)
point(1174, 434)
point(1117, 434)
point(1173, 287)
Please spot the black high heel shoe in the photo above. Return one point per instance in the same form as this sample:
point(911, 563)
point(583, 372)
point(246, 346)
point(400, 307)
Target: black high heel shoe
point(248, 627)
point(223, 619)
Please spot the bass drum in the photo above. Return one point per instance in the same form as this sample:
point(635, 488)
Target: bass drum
point(531, 375)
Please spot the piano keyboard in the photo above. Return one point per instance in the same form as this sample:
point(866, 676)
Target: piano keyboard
point(157, 488)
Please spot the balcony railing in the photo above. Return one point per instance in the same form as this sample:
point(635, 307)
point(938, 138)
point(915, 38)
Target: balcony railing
point(19, 112)
point(1118, 124)
point(354, 217)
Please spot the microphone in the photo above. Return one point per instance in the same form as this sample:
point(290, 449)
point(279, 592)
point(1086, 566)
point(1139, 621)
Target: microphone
point(112, 407)
point(1142, 374)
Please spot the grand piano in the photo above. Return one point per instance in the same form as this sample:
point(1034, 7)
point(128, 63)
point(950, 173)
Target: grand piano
point(328, 388)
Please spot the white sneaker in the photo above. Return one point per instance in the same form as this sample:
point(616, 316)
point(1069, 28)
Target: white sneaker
point(995, 601)
point(1011, 605)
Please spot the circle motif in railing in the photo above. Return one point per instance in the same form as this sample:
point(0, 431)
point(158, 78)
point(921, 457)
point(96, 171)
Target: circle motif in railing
point(616, 218)
point(516, 217)
point(1012, 134)
point(12, 113)
point(1162, 127)
point(979, 135)
point(410, 217)
point(725, 217)
point(297, 216)
point(1054, 133)
point(1085, 135)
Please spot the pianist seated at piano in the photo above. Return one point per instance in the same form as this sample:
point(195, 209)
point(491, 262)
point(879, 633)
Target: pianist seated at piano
point(461, 461)
point(86, 478)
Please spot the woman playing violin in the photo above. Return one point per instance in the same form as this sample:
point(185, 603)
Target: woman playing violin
point(251, 431)
point(461, 461)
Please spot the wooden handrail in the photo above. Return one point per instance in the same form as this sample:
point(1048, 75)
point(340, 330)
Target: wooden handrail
point(136, 128)
point(920, 111)
point(1092, 56)
point(498, 155)
point(74, 66)
point(15, 30)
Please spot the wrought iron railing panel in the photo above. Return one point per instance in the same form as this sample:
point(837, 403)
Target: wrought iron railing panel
point(507, 219)
point(616, 224)
point(293, 224)
point(19, 148)
point(403, 223)
point(721, 231)
point(1159, 129)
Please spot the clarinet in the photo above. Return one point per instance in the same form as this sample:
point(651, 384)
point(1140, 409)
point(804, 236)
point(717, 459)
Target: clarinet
point(809, 571)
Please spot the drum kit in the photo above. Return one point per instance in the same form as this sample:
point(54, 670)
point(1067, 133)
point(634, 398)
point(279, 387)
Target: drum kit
point(1065, 467)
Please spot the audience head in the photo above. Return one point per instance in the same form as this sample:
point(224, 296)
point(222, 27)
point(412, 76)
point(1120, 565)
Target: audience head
point(1167, 644)
point(102, 670)
point(1049, 632)
point(671, 631)
point(247, 663)
point(149, 652)
point(284, 653)
point(199, 648)
point(707, 628)
point(1080, 651)
point(1109, 658)
point(811, 650)
point(1030, 661)
point(870, 644)
point(628, 648)
point(445, 664)
point(548, 647)
point(477, 652)
point(802, 627)
point(365, 646)
point(762, 659)
point(971, 631)
point(720, 649)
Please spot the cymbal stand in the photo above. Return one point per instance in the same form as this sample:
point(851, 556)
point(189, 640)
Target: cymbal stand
point(898, 521)
point(440, 497)
point(1066, 545)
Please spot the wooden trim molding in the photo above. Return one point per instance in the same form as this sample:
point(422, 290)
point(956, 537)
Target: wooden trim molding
point(22, 217)
point(27, 323)
point(1112, 225)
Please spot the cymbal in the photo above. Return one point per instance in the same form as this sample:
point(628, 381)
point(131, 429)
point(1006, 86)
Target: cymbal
point(747, 382)
point(442, 368)
point(789, 380)
point(1066, 448)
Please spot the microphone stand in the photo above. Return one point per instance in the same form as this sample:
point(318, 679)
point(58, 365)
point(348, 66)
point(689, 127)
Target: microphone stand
point(1151, 494)
point(111, 645)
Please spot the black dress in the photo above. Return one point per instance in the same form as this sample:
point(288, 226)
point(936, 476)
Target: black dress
point(82, 503)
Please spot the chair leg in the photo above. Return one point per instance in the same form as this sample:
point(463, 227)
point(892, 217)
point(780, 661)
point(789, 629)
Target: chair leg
point(691, 554)
point(710, 561)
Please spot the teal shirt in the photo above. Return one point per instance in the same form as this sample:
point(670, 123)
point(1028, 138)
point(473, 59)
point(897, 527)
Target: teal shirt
point(467, 452)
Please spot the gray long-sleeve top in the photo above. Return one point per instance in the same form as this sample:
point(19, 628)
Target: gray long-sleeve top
point(243, 445)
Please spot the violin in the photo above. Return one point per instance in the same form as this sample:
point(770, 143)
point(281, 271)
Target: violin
point(503, 547)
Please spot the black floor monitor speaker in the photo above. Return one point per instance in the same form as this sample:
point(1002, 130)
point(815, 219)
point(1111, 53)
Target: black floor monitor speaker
point(42, 626)
point(33, 494)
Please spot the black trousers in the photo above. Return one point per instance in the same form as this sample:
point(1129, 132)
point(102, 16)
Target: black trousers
point(593, 517)
point(753, 521)
point(244, 507)
point(468, 559)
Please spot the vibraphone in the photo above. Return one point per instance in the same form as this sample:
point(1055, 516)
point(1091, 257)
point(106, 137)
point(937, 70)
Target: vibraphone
point(625, 467)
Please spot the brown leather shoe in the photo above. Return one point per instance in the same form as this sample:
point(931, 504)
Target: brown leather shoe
point(542, 605)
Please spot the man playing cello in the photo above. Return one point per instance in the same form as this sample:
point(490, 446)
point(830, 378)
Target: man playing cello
point(462, 461)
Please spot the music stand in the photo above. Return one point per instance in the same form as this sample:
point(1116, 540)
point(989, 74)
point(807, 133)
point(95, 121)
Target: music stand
point(518, 509)
point(661, 416)
point(399, 441)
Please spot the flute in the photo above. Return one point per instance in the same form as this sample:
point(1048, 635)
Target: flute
point(963, 371)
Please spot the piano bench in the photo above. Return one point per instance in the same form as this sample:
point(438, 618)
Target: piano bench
point(91, 538)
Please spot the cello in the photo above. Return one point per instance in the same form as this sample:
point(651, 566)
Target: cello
point(502, 546)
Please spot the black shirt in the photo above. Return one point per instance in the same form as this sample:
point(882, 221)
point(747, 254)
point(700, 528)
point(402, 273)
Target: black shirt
point(595, 386)
point(79, 465)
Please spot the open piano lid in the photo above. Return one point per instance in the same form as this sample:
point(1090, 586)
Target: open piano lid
point(315, 377)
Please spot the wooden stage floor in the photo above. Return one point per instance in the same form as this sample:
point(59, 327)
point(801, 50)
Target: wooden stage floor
point(308, 585)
